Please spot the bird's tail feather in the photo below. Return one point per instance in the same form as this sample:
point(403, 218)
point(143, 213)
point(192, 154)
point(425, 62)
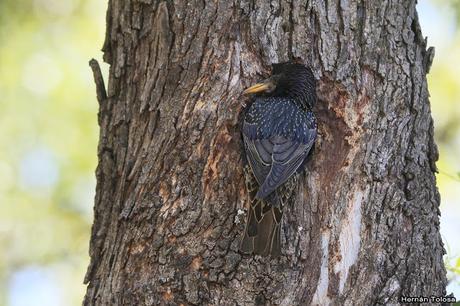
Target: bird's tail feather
point(262, 234)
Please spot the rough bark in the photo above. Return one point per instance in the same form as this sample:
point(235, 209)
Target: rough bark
point(364, 228)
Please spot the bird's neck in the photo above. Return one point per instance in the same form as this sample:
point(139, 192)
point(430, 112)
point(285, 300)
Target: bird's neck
point(300, 98)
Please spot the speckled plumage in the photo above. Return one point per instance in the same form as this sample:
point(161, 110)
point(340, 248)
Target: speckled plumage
point(278, 116)
point(278, 131)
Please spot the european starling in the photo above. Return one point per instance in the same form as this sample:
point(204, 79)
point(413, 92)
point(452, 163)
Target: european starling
point(278, 130)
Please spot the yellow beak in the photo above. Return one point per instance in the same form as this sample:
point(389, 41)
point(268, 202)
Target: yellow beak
point(259, 87)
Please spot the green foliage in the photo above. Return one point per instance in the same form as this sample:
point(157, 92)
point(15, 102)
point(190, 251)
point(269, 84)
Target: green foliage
point(49, 137)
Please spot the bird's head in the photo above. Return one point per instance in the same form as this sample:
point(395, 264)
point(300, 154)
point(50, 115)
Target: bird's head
point(288, 80)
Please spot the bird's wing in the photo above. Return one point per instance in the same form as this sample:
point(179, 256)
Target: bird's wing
point(287, 155)
point(275, 159)
point(259, 154)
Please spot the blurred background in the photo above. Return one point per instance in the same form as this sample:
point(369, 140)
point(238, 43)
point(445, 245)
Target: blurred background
point(49, 137)
point(48, 143)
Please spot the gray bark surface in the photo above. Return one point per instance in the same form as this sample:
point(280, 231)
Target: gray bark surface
point(364, 227)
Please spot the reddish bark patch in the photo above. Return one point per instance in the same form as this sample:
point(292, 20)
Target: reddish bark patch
point(137, 248)
point(164, 191)
point(333, 131)
point(196, 263)
point(219, 150)
point(172, 239)
point(363, 100)
point(168, 295)
point(333, 95)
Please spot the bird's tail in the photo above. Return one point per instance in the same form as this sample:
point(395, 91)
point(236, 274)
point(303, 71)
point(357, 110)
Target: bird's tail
point(262, 232)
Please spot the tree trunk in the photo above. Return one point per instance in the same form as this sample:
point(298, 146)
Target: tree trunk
point(170, 200)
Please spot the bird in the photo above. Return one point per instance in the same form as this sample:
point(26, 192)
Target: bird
point(278, 130)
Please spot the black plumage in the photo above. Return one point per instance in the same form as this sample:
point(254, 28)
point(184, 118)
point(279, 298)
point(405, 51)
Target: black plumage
point(279, 129)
